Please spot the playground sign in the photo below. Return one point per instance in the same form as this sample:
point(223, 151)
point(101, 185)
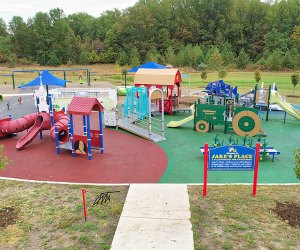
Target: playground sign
point(231, 158)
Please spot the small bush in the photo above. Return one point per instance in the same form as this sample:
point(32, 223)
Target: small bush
point(297, 163)
point(1, 97)
point(222, 73)
point(204, 75)
point(257, 76)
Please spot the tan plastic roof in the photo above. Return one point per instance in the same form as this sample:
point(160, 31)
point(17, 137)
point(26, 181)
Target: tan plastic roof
point(165, 77)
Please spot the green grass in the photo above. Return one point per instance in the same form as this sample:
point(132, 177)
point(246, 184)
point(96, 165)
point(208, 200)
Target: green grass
point(51, 216)
point(245, 81)
point(230, 218)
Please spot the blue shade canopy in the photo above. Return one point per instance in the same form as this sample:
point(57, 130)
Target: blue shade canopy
point(148, 65)
point(47, 79)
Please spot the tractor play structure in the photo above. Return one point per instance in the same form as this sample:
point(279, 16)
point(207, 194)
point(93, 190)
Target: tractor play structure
point(219, 108)
point(242, 120)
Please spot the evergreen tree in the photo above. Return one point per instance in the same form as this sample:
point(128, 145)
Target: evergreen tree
point(215, 61)
point(275, 60)
point(122, 58)
point(242, 59)
point(295, 81)
point(170, 56)
point(134, 58)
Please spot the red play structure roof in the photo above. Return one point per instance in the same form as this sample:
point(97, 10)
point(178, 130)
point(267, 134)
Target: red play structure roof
point(84, 106)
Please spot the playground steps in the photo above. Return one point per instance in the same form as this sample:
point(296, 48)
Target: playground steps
point(139, 131)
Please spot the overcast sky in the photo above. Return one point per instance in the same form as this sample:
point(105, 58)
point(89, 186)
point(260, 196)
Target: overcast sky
point(28, 8)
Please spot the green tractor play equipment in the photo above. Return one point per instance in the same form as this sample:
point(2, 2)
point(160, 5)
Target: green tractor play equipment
point(244, 121)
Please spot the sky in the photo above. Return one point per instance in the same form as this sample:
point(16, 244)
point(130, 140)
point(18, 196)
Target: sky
point(28, 8)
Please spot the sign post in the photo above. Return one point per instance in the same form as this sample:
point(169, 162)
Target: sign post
point(232, 157)
point(84, 202)
point(256, 169)
point(205, 170)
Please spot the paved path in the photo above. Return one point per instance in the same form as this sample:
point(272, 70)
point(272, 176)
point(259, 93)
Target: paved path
point(155, 216)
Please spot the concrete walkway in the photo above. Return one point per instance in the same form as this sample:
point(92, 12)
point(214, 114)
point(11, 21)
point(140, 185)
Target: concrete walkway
point(155, 216)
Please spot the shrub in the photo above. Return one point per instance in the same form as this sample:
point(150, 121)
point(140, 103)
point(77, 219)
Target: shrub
point(295, 81)
point(257, 76)
point(222, 73)
point(204, 75)
point(297, 163)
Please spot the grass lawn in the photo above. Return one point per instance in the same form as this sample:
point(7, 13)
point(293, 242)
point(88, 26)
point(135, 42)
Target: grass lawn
point(230, 218)
point(48, 216)
point(112, 73)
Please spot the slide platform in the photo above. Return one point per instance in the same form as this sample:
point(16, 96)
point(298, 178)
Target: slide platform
point(276, 98)
point(175, 124)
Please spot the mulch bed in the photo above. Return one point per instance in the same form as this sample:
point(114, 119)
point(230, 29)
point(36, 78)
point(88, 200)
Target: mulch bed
point(8, 216)
point(288, 212)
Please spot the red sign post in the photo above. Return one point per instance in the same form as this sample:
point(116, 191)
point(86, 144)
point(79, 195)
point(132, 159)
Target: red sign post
point(205, 170)
point(256, 169)
point(84, 202)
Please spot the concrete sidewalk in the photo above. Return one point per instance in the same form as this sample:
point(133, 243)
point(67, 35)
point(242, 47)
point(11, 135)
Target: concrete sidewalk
point(155, 216)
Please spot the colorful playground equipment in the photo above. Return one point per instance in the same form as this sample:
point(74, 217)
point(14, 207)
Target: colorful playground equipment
point(82, 144)
point(165, 79)
point(134, 115)
point(220, 88)
point(222, 110)
point(242, 120)
point(268, 99)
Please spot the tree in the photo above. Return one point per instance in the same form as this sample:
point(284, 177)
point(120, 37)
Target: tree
point(215, 60)
point(204, 75)
point(275, 60)
point(288, 60)
point(3, 159)
point(170, 56)
point(134, 58)
point(257, 76)
point(222, 73)
point(242, 59)
point(122, 58)
point(153, 56)
point(295, 81)
point(3, 31)
point(5, 49)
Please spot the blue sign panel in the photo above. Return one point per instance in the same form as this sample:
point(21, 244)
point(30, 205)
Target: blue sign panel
point(231, 158)
point(184, 76)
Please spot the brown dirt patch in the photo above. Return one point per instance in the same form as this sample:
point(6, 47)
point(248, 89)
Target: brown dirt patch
point(8, 216)
point(289, 212)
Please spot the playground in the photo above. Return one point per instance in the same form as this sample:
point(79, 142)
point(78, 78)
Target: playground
point(173, 155)
point(154, 134)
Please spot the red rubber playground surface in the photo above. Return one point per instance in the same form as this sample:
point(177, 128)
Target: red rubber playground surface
point(127, 159)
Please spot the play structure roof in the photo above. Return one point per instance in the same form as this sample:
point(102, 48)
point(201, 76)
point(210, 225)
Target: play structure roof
point(148, 65)
point(47, 79)
point(157, 77)
point(84, 106)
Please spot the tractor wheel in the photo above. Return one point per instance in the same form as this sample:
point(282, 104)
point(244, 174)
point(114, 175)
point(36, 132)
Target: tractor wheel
point(202, 126)
point(246, 123)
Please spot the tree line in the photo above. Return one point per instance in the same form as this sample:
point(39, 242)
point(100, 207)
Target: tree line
point(203, 34)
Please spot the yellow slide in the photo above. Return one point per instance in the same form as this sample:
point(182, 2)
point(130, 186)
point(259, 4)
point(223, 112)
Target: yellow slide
point(174, 124)
point(276, 98)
